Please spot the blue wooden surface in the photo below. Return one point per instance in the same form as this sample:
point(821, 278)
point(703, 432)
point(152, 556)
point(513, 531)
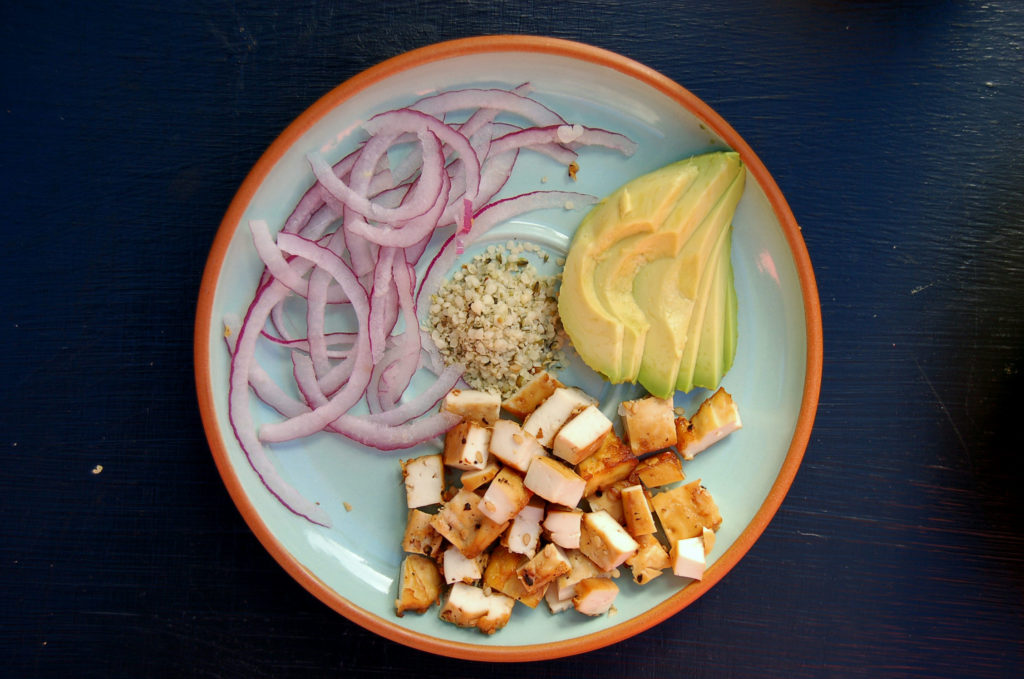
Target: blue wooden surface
point(896, 131)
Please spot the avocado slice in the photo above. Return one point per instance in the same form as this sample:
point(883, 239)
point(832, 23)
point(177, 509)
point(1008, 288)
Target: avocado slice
point(684, 224)
point(710, 364)
point(668, 294)
point(635, 208)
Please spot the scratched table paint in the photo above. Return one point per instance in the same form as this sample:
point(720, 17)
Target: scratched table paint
point(895, 131)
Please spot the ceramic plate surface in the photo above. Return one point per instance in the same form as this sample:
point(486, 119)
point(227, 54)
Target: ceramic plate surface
point(353, 565)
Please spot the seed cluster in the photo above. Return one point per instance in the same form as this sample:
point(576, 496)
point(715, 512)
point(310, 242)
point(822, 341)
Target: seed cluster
point(499, 317)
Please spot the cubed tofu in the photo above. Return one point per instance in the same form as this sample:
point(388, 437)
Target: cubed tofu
point(505, 497)
point(716, 418)
point(470, 606)
point(563, 527)
point(659, 469)
point(500, 576)
point(685, 511)
point(612, 462)
point(581, 569)
point(637, 510)
point(687, 557)
point(555, 482)
point(555, 604)
point(649, 424)
point(419, 585)
point(420, 536)
point(581, 436)
point(473, 405)
point(513, 446)
point(544, 422)
point(523, 535)
point(605, 541)
point(649, 561)
point(609, 499)
point(544, 567)
point(594, 596)
point(531, 395)
point(458, 568)
point(424, 480)
point(462, 523)
point(474, 478)
point(465, 446)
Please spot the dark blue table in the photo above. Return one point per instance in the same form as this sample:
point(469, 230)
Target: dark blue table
point(896, 131)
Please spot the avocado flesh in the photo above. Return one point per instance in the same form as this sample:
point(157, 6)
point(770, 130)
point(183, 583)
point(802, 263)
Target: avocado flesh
point(673, 298)
point(634, 208)
point(635, 287)
point(684, 225)
point(710, 364)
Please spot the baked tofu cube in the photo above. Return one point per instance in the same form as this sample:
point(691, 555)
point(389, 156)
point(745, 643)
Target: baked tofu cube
point(639, 520)
point(563, 527)
point(513, 446)
point(420, 537)
point(685, 511)
point(544, 567)
point(544, 422)
point(660, 469)
point(555, 604)
point(462, 523)
point(649, 424)
point(419, 585)
point(687, 557)
point(581, 436)
point(505, 497)
point(424, 480)
point(612, 462)
point(605, 541)
point(500, 576)
point(531, 395)
point(472, 479)
point(582, 568)
point(609, 499)
point(458, 568)
point(523, 535)
point(594, 596)
point(554, 482)
point(465, 446)
point(473, 405)
point(649, 561)
point(716, 418)
point(470, 606)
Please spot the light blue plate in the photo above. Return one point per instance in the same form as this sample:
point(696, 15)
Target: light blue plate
point(353, 565)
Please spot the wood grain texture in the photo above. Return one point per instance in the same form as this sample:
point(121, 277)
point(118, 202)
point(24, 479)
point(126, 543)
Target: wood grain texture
point(894, 130)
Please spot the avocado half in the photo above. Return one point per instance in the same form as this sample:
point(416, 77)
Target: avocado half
point(647, 291)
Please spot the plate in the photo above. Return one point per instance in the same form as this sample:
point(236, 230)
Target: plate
point(353, 565)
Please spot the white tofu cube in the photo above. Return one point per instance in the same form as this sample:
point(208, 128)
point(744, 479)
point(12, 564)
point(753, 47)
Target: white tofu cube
point(637, 511)
point(457, 568)
point(465, 446)
point(582, 436)
point(483, 407)
point(687, 557)
point(513, 446)
point(555, 482)
point(470, 606)
point(544, 422)
point(531, 394)
point(524, 533)
point(582, 568)
point(424, 480)
point(472, 479)
point(605, 541)
point(563, 527)
point(554, 603)
point(505, 497)
point(544, 567)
